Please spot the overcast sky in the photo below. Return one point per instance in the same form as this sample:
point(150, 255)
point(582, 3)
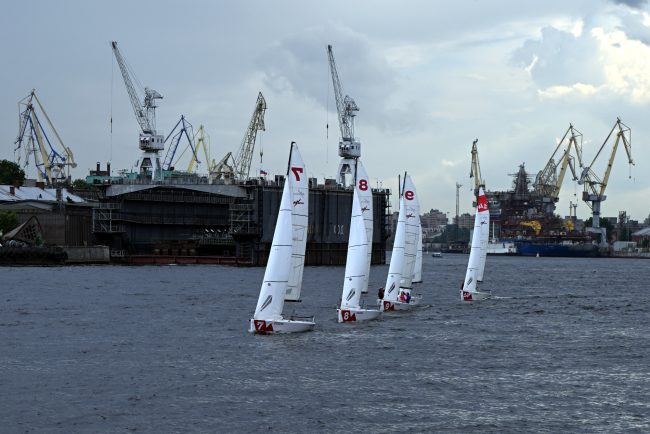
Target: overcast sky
point(429, 77)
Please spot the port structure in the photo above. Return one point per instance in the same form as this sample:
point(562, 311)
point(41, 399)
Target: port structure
point(548, 181)
point(150, 142)
point(349, 146)
point(52, 165)
point(594, 186)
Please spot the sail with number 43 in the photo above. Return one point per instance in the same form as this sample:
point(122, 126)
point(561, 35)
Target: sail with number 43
point(470, 290)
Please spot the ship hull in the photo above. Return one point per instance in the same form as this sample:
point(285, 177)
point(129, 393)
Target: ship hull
point(557, 250)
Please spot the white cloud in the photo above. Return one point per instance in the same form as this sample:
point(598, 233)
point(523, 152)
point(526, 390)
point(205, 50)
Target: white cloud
point(578, 89)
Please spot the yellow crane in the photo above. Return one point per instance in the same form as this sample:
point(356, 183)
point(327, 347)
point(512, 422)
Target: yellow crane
point(201, 140)
point(52, 166)
point(548, 182)
point(537, 226)
point(594, 187)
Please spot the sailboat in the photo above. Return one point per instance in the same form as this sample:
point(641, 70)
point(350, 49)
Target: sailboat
point(397, 295)
point(356, 269)
point(470, 291)
point(281, 268)
point(362, 185)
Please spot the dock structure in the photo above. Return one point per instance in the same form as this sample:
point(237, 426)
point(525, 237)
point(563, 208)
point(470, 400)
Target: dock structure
point(194, 221)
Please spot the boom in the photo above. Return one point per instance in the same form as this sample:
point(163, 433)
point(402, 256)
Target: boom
point(548, 182)
point(349, 146)
point(150, 141)
point(475, 171)
point(145, 115)
point(345, 105)
point(245, 155)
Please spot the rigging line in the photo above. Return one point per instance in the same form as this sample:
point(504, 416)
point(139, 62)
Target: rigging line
point(327, 115)
point(111, 105)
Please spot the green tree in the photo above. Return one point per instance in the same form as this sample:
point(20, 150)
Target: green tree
point(10, 172)
point(8, 221)
point(81, 184)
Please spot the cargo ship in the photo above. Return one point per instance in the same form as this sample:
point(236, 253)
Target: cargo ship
point(541, 248)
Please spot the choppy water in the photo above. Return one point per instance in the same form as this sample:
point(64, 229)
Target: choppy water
point(565, 347)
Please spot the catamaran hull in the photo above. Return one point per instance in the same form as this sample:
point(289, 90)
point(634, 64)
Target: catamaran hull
point(355, 315)
point(474, 296)
point(280, 326)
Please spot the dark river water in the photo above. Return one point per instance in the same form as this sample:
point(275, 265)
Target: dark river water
point(564, 348)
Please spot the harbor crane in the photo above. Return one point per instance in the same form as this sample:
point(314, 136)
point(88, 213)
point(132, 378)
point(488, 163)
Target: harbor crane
point(548, 182)
point(174, 138)
point(242, 162)
point(51, 165)
point(151, 143)
point(594, 187)
point(475, 171)
point(349, 146)
point(202, 140)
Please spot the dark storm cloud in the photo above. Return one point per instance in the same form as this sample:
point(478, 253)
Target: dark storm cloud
point(633, 27)
point(299, 64)
point(636, 4)
point(559, 58)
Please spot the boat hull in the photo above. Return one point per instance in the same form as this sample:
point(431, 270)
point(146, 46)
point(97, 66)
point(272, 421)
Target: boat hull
point(357, 314)
point(388, 306)
point(557, 249)
point(280, 326)
point(474, 296)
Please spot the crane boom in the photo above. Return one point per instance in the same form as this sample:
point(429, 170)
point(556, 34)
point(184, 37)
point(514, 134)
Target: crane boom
point(475, 171)
point(548, 182)
point(144, 113)
point(346, 107)
point(150, 141)
point(245, 154)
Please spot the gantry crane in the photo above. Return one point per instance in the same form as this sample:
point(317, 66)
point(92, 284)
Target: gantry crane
point(242, 162)
point(151, 143)
point(349, 146)
point(548, 182)
point(594, 187)
point(51, 166)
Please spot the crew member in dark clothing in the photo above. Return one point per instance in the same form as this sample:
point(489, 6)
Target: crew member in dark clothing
point(380, 293)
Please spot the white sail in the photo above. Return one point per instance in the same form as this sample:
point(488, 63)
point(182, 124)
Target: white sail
point(365, 201)
point(485, 237)
point(411, 231)
point(299, 187)
point(391, 290)
point(417, 274)
point(480, 220)
point(276, 276)
point(355, 266)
